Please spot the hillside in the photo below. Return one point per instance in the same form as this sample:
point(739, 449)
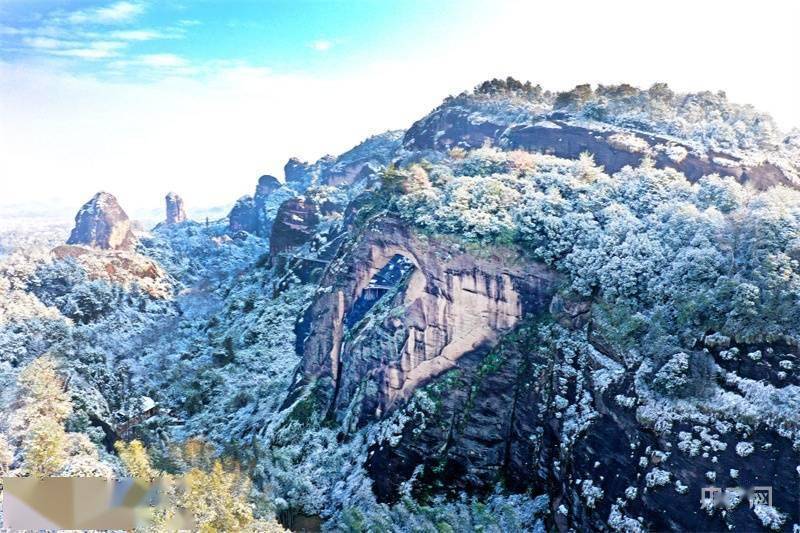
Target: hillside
point(529, 311)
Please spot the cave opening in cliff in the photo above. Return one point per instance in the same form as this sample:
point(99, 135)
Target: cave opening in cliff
point(383, 282)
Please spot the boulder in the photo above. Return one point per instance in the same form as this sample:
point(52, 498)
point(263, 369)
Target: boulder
point(266, 185)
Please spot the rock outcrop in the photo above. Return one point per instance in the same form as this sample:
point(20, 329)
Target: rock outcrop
point(102, 223)
point(298, 174)
point(352, 167)
point(255, 214)
point(266, 202)
point(176, 213)
point(563, 131)
point(243, 216)
point(349, 169)
point(294, 224)
point(120, 267)
point(446, 305)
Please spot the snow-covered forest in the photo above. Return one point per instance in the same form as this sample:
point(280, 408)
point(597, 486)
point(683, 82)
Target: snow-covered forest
point(641, 283)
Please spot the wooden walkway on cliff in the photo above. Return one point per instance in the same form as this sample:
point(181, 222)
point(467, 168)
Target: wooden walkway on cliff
point(290, 255)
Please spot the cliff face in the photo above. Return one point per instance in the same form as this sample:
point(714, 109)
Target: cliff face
point(242, 216)
point(402, 310)
point(472, 367)
point(102, 223)
point(294, 224)
point(481, 368)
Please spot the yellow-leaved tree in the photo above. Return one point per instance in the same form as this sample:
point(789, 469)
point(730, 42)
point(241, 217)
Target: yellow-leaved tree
point(45, 405)
point(213, 492)
point(217, 499)
point(136, 460)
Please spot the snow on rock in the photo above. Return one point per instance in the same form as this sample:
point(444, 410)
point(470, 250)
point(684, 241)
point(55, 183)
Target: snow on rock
point(102, 223)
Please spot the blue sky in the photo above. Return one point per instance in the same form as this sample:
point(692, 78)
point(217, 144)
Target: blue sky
point(147, 38)
point(139, 97)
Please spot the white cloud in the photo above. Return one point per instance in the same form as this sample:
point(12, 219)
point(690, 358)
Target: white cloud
point(321, 45)
point(83, 50)
point(86, 53)
point(10, 30)
point(117, 12)
point(76, 35)
point(107, 45)
point(46, 43)
point(138, 35)
point(162, 60)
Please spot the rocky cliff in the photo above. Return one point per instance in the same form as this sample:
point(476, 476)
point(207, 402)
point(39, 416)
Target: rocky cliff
point(294, 225)
point(447, 324)
point(399, 332)
point(102, 223)
point(298, 174)
point(255, 214)
point(618, 125)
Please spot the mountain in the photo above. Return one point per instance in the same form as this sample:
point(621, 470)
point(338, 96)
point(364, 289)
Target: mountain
point(696, 134)
point(529, 311)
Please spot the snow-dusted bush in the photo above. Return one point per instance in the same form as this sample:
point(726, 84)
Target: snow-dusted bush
point(743, 449)
point(770, 517)
point(657, 477)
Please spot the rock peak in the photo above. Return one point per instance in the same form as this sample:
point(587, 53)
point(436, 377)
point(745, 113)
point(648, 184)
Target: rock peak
point(176, 213)
point(254, 214)
point(102, 223)
point(297, 174)
point(267, 184)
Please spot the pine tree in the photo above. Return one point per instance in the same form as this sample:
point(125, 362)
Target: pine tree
point(217, 492)
point(214, 495)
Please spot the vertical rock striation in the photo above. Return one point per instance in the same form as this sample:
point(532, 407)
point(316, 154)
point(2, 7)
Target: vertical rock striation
point(446, 305)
